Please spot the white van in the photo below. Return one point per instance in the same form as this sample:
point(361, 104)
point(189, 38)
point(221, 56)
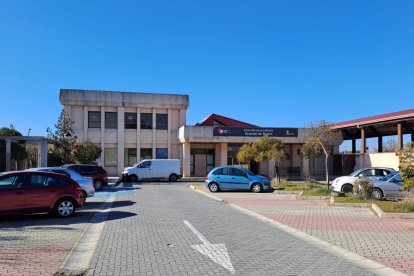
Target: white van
point(153, 169)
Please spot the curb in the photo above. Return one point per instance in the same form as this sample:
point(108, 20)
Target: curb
point(382, 214)
point(78, 260)
point(336, 250)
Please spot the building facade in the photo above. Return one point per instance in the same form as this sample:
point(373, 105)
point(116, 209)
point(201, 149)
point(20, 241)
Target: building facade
point(130, 127)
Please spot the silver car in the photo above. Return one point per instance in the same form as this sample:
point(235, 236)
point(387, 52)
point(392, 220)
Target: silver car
point(389, 187)
point(86, 183)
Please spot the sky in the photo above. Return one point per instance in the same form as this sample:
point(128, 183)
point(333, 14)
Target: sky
point(270, 63)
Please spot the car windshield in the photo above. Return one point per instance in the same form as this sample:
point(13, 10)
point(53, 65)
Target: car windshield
point(388, 176)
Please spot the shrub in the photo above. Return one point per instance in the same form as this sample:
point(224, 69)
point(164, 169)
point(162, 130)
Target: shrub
point(408, 204)
point(362, 188)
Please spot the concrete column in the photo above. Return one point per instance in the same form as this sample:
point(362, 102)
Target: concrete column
point(223, 154)
point(154, 133)
point(217, 155)
point(182, 117)
point(379, 143)
point(363, 141)
point(121, 139)
point(43, 154)
point(353, 145)
point(8, 155)
point(186, 159)
point(400, 136)
point(85, 124)
point(102, 131)
point(169, 133)
point(138, 134)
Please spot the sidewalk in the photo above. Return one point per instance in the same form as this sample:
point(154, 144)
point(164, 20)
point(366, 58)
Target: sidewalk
point(359, 230)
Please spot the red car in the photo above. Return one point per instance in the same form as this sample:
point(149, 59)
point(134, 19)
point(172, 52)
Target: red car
point(34, 192)
point(97, 173)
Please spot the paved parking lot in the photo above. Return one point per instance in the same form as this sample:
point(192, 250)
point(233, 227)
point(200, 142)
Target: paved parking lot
point(37, 244)
point(359, 230)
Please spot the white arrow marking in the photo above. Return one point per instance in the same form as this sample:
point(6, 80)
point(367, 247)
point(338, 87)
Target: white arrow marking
point(216, 252)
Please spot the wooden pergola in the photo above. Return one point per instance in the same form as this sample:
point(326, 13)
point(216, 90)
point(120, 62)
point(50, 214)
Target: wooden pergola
point(395, 123)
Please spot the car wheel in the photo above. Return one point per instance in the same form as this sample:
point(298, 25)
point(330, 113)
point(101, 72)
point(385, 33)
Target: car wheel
point(376, 193)
point(173, 178)
point(257, 188)
point(347, 188)
point(65, 208)
point(133, 178)
point(213, 187)
point(98, 185)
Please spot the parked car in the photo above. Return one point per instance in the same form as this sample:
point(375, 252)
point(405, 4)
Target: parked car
point(346, 183)
point(33, 192)
point(154, 169)
point(236, 178)
point(86, 183)
point(390, 186)
point(98, 174)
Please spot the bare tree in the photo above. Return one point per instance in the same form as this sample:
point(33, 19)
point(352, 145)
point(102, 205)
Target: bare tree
point(322, 135)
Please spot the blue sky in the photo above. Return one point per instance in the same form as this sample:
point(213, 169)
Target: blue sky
point(270, 63)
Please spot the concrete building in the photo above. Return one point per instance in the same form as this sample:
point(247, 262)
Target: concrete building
point(130, 127)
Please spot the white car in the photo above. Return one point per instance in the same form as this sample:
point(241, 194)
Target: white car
point(346, 183)
point(86, 183)
point(149, 169)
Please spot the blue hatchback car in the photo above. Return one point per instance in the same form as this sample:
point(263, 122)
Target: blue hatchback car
point(236, 178)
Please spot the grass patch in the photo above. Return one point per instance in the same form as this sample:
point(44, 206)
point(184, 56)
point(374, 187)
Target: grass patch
point(308, 188)
point(395, 206)
point(350, 199)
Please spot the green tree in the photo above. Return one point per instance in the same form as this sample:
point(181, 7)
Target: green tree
point(322, 135)
point(267, 149)
point(87, 152)
point(311, 151)
point(246, 154)
point(406, 157)
point(63, 139)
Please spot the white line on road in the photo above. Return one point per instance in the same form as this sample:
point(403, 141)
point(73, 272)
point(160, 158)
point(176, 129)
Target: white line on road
point(216, 252)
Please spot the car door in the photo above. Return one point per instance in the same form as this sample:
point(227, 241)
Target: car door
point(239, 179)
point(11, 195)
point(145, 170)
point(38, 195)
point(223, 177)
point(395, 185)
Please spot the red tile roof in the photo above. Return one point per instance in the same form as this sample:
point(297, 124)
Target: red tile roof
point(394, 116)
point(225, 121)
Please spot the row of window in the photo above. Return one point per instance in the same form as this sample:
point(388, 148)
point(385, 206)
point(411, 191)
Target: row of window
point(111, 120)
point(131, 156)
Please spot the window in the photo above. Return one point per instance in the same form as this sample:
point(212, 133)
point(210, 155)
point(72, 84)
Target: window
point(162, 121)
point(38, 180)
point(144, 165)
point(161, 153)
point(111, 120)
point(367, 173)
point(130, 120)
point(146, 120)
point(111, 157)
point(238, 172)
point(146, 154)
point(130, 157)
point(7, 182)
point(94, 119)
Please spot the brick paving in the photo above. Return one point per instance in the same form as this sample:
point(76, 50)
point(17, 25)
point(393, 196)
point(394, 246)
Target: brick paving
point(145, 235)
point(359, 230)
point(37, 244)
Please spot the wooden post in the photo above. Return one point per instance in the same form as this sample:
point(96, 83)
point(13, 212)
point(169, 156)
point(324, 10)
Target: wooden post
point(400, 137)
point(363, 141)
point(379, 143)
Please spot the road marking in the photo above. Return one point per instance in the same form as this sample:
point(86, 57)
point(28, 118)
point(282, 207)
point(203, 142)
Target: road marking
point(216, 252)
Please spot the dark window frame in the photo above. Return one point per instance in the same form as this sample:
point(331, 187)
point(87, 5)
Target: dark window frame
point(92, 123)
point(109, 123)
point(162, 121)
point(131, 124)
point(146, 123)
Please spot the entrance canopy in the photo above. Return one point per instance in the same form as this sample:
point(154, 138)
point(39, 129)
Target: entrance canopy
point(395, 123)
